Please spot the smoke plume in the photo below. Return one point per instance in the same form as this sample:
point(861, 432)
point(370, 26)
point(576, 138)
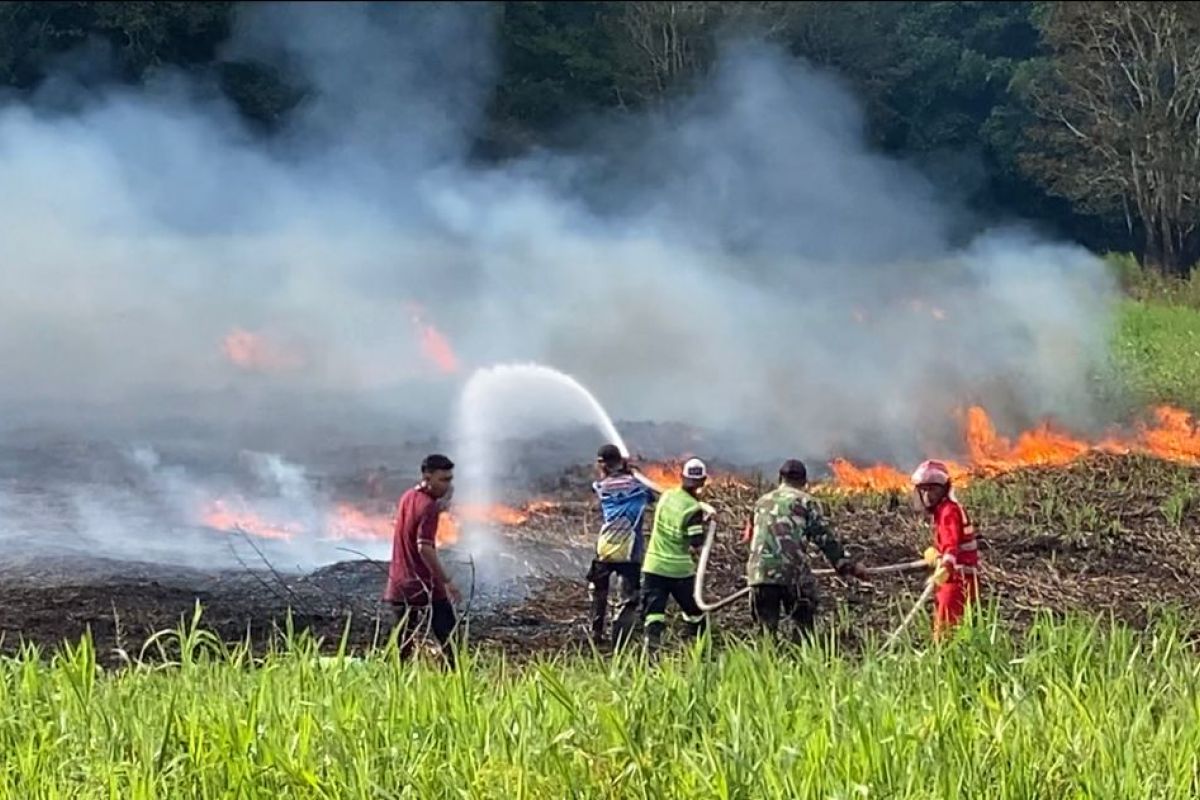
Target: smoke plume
point(739, 259)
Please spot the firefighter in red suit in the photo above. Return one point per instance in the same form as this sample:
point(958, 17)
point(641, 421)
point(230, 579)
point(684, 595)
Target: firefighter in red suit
point(954, 555)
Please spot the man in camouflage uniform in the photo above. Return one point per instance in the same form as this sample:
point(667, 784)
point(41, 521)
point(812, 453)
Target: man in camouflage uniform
point(785, 520)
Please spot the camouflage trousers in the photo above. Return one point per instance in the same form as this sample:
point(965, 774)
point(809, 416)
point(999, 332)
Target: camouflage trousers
point(771, 603)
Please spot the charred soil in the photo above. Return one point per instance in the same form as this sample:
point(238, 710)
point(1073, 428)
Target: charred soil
point(1108, 535)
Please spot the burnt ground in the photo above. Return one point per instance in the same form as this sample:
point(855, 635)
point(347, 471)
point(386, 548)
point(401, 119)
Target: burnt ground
point(1110, 536)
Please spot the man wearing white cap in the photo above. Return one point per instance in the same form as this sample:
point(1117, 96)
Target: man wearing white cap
point(669, 568)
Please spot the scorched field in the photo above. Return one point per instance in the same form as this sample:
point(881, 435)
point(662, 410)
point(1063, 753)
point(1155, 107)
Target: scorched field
point(127, 678)
point(1079, 679)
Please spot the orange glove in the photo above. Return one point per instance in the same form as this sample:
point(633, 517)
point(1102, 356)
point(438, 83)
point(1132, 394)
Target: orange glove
point(931, 556)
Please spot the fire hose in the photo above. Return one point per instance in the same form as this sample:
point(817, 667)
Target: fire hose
point(702, 568)
point(929, 586)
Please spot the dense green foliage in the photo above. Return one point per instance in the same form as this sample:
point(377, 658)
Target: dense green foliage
point(1004, 103)
point(1072, 709)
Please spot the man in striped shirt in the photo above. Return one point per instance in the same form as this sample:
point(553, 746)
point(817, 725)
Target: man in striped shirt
point(620, 544)
point(955, 551)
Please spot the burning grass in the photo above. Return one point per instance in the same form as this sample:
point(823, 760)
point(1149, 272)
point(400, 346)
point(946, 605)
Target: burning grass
point(1171, 435)
point(345, 521)
point(667, 474)
point(1107, 534)
point(1165, 432)
point(450, 522)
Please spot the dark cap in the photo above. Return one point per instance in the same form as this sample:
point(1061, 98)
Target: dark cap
point(435, 462)
point(794, 468)
point(609, 454)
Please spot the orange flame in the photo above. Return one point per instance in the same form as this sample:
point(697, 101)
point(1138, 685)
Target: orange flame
point(449, 521)
point(345, 521)
point(668, 474)
point(254, 352)
point(447, 529)
point(1175, 438)
point(879, 478)
point(220, 516)
point(504, 515)
point(434, 345)
point(348, 522)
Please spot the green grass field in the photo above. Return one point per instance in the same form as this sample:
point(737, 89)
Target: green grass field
point(1076, 710)
point(1156, 337)
point(1156, 349)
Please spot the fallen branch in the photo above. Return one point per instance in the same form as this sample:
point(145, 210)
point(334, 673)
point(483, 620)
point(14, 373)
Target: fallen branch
point(254, 574)
point(341, 601)
point(367, 558)
point(906, 566)
point(300, 605)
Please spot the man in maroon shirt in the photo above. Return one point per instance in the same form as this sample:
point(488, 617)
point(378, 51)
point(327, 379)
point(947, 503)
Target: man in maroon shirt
point(417, 584)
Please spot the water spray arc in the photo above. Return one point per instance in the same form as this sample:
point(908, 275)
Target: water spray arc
point(516, 398)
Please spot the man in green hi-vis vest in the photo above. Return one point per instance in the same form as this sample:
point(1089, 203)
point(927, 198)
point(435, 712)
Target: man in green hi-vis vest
point(669, 568)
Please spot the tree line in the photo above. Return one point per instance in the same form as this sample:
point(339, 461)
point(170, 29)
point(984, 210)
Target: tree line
point(1081, 116)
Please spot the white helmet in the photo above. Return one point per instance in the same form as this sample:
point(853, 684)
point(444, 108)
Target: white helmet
point(931, 472)
point(694, 469)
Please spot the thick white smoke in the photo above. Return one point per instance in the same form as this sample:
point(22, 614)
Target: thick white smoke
point(132, 504)
point(740, 260)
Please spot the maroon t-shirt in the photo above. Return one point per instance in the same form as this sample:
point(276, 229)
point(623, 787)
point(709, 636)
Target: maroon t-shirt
point(409, 578)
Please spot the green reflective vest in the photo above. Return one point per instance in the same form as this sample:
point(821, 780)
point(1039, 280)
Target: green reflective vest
point(667, 553)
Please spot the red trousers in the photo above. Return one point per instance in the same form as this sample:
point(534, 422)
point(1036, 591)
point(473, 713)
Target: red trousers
point(951, 601)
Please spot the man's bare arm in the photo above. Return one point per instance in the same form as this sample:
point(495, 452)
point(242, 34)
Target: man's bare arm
point(430, 557)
